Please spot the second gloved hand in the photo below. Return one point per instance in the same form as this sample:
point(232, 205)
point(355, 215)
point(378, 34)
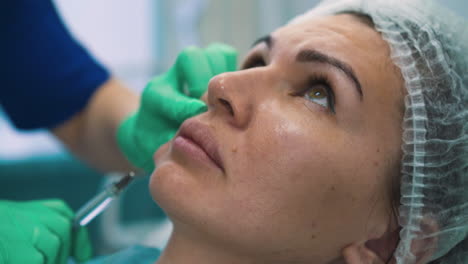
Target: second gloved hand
point(170, 99)
point(40, 232)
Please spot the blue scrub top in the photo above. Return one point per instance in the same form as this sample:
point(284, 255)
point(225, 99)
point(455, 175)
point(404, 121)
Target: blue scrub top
point(46, 76)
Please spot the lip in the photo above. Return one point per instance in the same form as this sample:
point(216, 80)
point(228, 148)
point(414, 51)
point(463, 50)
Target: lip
point(197, 139)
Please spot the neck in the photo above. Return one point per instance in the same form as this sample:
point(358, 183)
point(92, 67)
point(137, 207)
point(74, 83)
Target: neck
point(182, 249)
point(186, 246)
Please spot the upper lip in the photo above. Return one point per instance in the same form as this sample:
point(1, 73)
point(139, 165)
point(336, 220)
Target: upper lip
point(201, 135)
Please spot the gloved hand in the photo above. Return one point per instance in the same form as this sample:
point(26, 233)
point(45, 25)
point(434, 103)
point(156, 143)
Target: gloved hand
point(171, 98)
point(38, 232)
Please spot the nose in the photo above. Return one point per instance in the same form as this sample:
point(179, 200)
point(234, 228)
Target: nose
point(229, 96)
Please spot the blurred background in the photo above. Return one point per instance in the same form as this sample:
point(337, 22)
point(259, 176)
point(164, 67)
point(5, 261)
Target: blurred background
point(135, 40)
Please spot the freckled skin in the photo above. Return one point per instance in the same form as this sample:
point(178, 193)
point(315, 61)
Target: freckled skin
point(300, 183)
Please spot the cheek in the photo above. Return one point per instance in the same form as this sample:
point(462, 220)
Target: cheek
point(286, 165)
point(304, 170)
point(289, 147)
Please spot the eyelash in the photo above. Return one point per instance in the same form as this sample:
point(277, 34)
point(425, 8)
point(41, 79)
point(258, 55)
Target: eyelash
point(257, 61)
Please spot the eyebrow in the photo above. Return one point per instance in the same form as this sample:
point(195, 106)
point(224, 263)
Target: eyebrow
point(310, 55)
point(268, 40)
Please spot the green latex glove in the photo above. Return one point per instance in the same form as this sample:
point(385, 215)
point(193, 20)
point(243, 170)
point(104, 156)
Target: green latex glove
point(39, 232)
point(171, 98)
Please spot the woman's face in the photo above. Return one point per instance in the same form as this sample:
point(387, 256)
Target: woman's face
point(300, 147)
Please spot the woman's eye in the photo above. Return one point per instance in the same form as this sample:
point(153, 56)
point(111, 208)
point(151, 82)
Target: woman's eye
point(253, 62)
point(321, 93)
point(318, 94)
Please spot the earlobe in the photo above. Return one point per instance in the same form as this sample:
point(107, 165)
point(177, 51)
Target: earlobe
point(378, 251)
point(374, 251)
point(360, 254)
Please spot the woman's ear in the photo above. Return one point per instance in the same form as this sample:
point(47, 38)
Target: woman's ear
point(380, 251)
point(361, 254)
point(373, 251)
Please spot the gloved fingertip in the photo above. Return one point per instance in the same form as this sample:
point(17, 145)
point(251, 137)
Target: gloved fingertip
point(187, 54)
point(228, 53)
point(59, 206)
point(200, 107)
point(52, 203)
point(221, 46)
point(81, 247)
point(194, 71)
point(197, 92)
point(231, 62)
point(125, 137)
point(192, 108)
point(124, 131)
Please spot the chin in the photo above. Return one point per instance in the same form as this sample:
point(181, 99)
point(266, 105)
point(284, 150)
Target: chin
point(173, 187)
point(166, 179)
point(167, 174)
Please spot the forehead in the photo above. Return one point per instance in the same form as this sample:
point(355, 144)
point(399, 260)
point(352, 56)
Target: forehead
point(334, 34)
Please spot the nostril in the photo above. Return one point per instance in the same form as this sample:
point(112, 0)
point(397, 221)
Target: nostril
point(227, 105)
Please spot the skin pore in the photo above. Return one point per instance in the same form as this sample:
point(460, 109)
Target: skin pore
point(308, 135)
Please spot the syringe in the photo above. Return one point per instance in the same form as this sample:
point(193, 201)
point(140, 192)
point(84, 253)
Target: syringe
point(100, 202)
